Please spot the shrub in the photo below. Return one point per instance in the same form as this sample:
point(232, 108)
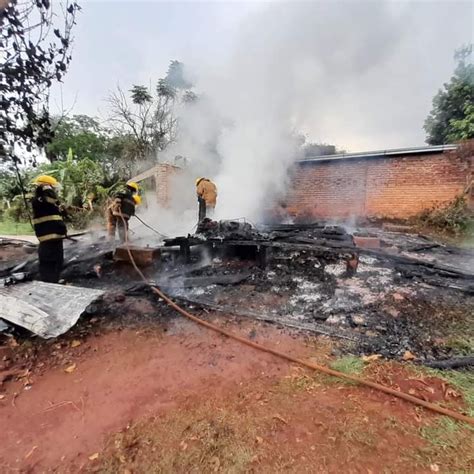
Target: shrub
point(454, 218)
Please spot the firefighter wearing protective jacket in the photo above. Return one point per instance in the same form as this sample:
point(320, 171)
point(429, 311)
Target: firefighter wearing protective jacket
point(206, 192)
point(50, 228)
point(121, 208)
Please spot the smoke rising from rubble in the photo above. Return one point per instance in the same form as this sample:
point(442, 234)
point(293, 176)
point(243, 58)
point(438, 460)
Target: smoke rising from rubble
point(294, 68)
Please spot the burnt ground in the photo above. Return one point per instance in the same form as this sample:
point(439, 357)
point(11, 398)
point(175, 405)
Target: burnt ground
point(134, 388)
point(410, 294)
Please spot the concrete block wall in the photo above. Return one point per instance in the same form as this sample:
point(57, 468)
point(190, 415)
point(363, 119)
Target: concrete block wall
point(393, 187)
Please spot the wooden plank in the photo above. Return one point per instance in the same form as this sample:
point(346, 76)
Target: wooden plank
point(143, 256)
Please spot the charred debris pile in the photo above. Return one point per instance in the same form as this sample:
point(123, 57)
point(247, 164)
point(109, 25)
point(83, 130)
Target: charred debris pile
point(379, 292)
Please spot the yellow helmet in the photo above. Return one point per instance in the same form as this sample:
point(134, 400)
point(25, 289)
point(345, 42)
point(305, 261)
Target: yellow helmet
point(133, 185)
point(137, 199)
point(198, 180)
point(45, 179)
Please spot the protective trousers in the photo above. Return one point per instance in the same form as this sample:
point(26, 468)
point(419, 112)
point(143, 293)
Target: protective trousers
point(115, 222)
point(202, 210)
point(51, 258)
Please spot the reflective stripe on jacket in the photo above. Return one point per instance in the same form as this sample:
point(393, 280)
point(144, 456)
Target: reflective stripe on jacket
point(47, 219)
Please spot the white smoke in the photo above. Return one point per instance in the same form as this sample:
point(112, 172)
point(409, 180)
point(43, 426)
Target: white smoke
point(293, 66)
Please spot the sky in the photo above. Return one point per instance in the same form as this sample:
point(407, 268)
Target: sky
point(363, 74)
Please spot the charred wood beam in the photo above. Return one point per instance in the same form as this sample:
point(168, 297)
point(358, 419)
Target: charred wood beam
point(442, 270)
point(454, 363)
point(301, 227)
point(199, 281)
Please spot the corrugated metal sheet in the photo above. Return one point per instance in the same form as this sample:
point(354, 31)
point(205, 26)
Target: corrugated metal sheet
point(381, 153)
point(46, 309)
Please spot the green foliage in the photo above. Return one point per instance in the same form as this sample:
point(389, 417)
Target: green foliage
point(462, 381)
point(9, 227)
point(78, 178)
point(446, 434)
point(81, 134)
point(175, 76)
point(348, 365)
point(452, 116)
point(462, 129)
point(36, 44)
point(164, 89)
point(84, 138)
point(140, 95)
point(9, 186)
point(17, 212)
point(454, 218)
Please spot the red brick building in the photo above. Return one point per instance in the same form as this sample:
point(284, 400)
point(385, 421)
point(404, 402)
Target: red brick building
point(161, 176)
point(392, 183)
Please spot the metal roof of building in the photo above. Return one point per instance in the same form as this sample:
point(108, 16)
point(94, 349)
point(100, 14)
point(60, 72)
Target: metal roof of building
point(381, 153)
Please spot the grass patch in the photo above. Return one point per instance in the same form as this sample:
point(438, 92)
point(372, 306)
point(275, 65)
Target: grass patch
point(443, 434)
point(462, 345)
point(300, 383)
point(348, 365)
point(462, 381)
point(449, 444)
point(363, 435)
point(8, 227)
point(202, 440)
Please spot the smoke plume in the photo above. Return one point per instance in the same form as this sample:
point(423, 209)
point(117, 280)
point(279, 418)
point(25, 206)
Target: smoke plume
point(294, 64)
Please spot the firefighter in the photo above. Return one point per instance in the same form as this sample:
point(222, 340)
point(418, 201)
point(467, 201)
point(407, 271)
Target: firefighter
point(50, 228)
point(121, 208)
point(207, 195)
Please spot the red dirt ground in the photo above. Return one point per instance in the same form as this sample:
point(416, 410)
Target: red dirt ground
point(54, 420)
point(119, 377)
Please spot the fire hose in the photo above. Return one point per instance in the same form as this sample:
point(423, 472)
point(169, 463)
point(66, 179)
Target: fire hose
point(319, 368)
point(151, 228)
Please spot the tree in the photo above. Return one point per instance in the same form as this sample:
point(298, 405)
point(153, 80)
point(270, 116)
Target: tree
point(463, 129)
point(35, 52)
point(86, 139)
point(452, 116)
point(119, 162)
point(147, 116)
point(81, 134)
point(78, 178)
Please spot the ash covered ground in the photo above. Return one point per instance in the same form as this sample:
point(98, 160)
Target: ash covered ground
point(376, 311)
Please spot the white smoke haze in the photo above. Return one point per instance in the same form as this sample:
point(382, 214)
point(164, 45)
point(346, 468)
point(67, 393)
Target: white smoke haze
point(297, 67)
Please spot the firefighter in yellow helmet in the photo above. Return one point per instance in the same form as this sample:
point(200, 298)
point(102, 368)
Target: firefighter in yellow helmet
point(121, 208)
point(50, 228)
point(206, 192)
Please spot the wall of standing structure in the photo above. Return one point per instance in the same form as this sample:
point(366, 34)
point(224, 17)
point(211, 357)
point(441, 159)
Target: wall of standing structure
point(399, 185)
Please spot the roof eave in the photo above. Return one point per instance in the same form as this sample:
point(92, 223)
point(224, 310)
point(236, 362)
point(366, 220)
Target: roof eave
point(381, 153)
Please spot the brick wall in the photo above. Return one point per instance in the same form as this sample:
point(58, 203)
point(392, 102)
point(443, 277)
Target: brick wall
point(397, 187)
point(164, 174)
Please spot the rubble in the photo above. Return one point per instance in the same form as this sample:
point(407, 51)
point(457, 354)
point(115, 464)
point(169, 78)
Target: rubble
point(402, 293)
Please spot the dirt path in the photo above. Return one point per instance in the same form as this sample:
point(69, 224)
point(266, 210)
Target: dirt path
point(27, 238)
point(119, 377)
point(185, 398)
